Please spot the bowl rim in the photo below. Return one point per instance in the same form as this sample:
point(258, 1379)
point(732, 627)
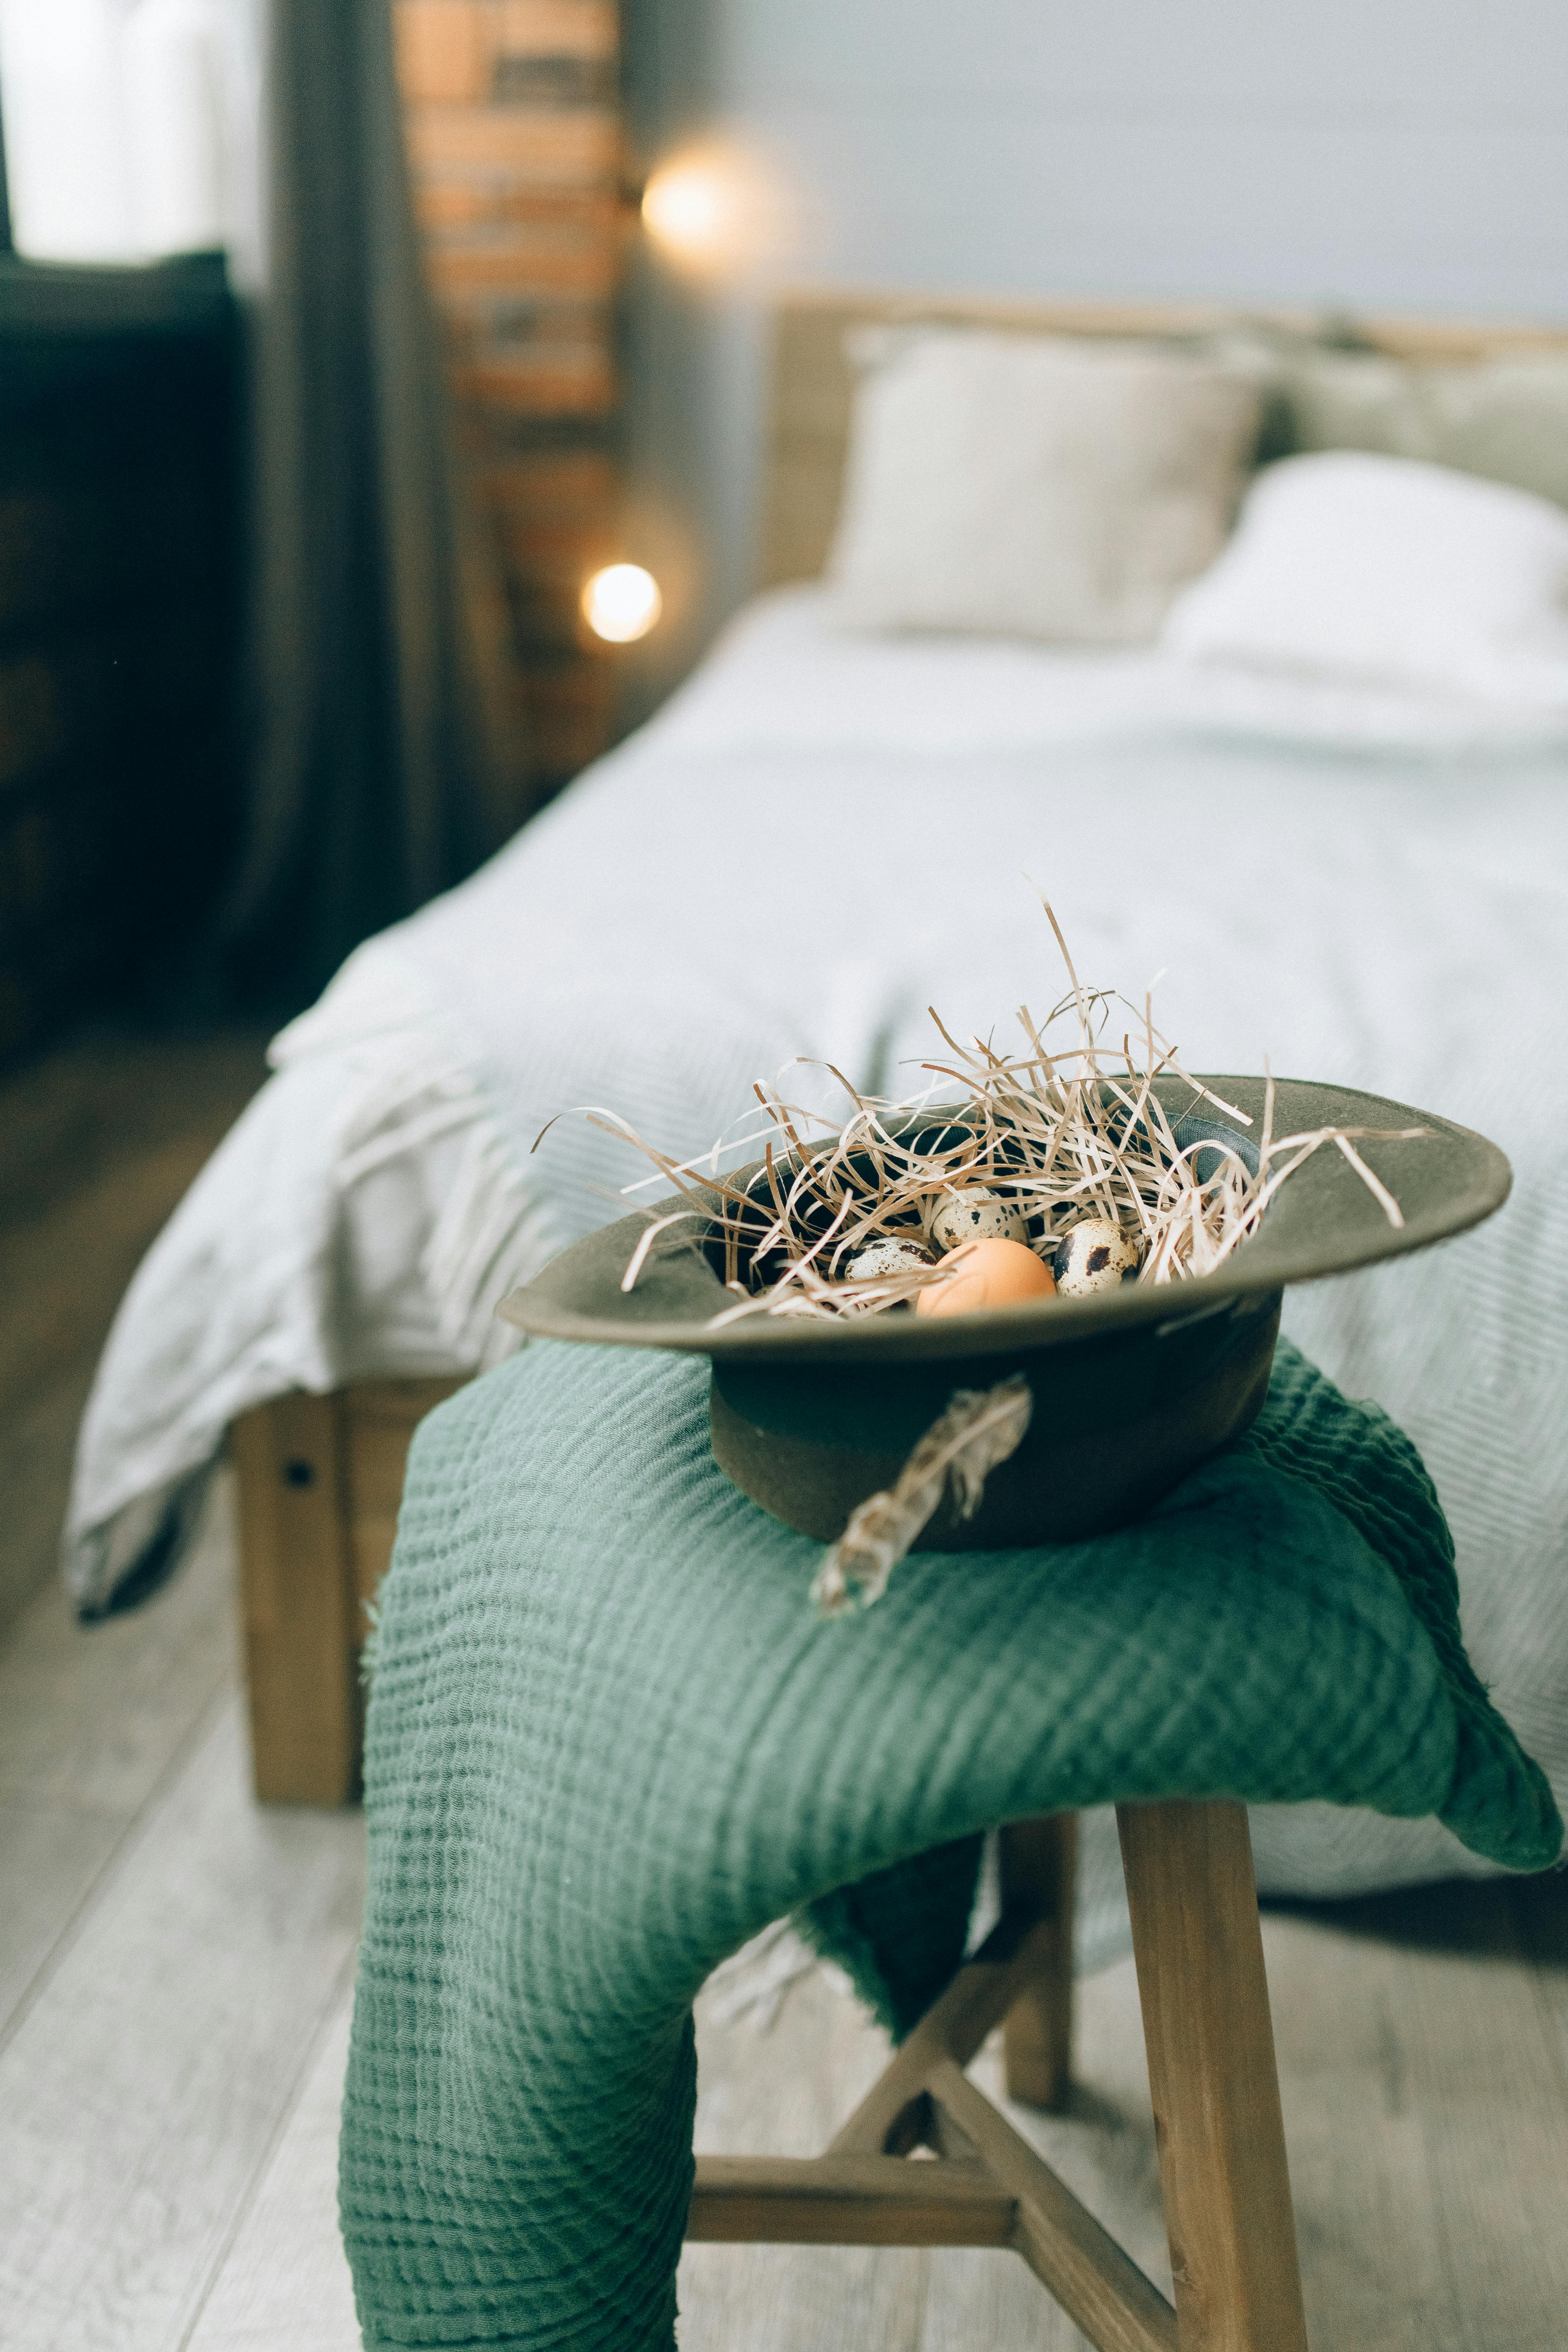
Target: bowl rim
point(1322, 1223)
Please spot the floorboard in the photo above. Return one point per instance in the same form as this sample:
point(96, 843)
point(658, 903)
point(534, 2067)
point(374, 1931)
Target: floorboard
point(38, 1446)
point(91, 1718)
point(98, 1138)
point(92, 1722)
point(145, 2083)
point(283, 2281)
point(51, 1857)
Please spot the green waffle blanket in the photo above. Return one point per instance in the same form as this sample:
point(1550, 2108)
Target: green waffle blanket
point(609, 1740)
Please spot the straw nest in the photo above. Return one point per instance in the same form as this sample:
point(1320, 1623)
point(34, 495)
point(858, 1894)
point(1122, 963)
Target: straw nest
point(1062, 1131)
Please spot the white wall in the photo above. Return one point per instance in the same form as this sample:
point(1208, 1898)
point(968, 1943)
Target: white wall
point(1405, 153)
point(1378, 151)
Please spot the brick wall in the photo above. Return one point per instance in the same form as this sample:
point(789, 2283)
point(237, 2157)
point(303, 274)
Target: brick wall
point(515, 140)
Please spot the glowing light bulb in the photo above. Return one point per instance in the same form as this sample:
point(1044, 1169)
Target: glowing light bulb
point(686, 208)
point(719, 208)
point(622, 603)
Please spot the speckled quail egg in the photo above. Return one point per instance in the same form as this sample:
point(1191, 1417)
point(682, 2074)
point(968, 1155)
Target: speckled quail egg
point(1094, 1255)
point(975, 1213)
point(892, 1253)
point(985, 1275)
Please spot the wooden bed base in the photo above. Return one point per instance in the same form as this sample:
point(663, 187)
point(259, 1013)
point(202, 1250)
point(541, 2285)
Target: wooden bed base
point(320, 1480)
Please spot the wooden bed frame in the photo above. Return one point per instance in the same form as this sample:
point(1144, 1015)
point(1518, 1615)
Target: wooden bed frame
point(320, 1477)
point(812, 384)
point(320, 1480)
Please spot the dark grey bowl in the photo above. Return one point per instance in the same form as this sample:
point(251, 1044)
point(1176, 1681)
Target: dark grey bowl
point(1132, 1387)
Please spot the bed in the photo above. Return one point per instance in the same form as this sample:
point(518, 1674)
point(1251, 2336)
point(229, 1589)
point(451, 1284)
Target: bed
point(1360, 884)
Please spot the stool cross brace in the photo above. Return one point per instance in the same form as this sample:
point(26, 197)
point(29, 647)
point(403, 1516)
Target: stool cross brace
point(974, 2181)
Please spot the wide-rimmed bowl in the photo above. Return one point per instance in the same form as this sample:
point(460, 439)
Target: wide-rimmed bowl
point(1132, 1387)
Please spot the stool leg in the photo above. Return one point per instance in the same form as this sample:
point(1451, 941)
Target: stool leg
point(1038, 1862)
point(1211, 2069)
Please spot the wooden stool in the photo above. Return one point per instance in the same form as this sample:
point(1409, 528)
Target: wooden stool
point(1211, 2070)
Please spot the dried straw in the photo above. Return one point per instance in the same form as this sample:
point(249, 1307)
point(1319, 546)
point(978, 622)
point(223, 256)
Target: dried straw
point(1064, 1132)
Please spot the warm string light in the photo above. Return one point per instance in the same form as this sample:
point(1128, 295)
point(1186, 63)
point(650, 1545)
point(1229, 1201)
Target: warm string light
point(685, 209)
point(622, 603)
point(720, 209)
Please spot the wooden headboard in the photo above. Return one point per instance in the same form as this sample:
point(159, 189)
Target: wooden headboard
point(809, 420)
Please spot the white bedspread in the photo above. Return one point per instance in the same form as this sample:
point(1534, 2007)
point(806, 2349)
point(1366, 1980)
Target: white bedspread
point(819, 838)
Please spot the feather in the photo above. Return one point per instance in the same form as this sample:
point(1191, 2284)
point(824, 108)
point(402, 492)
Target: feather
point(980, 1429)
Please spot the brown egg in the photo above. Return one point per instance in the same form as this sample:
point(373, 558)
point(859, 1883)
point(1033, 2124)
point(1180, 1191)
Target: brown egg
point(986, 1275)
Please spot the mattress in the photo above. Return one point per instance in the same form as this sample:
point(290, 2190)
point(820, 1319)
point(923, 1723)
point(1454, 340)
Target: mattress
point(817, 838)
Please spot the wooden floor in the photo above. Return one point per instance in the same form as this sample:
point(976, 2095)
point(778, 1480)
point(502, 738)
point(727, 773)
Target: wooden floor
point(175, 1976)
point(98, 1138)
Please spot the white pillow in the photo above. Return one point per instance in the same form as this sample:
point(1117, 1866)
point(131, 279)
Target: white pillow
point(1034, 486)
point(1391, 571)
point(1506, 419)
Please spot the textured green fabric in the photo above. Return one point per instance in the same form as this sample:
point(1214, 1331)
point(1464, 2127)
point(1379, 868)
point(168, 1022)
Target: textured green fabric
point(608, 1741)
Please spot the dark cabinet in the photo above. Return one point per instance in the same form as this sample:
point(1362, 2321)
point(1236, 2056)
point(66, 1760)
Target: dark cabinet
point(117, 603)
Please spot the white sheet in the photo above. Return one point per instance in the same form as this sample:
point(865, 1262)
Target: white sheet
point(817, 839)
point(785, 675)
